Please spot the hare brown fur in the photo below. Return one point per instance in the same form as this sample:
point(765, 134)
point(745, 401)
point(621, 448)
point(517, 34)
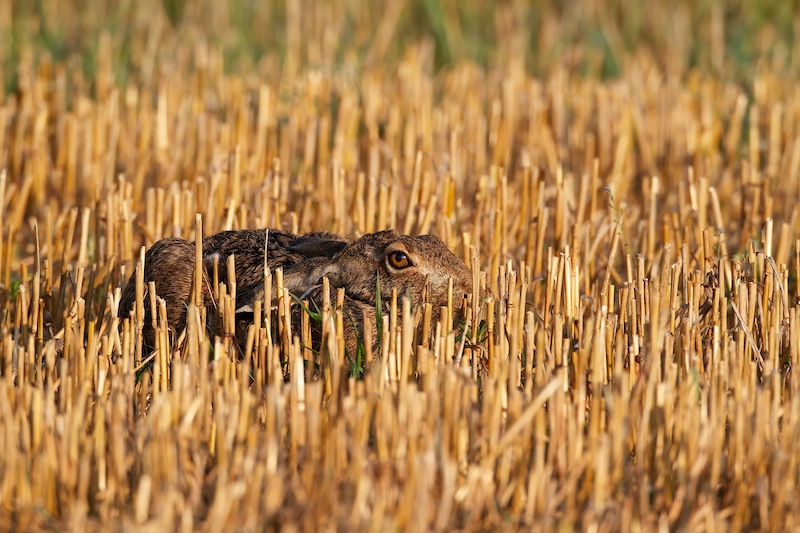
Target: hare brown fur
point(400, 262)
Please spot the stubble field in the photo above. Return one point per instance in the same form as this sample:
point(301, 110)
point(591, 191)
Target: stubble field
point(623, 181)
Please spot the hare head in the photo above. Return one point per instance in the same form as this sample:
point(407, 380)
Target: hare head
point(391, 261)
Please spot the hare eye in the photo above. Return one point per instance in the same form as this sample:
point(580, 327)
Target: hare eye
point(399, 260)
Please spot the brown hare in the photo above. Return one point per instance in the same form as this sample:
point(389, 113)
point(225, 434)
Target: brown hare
point(401, 262)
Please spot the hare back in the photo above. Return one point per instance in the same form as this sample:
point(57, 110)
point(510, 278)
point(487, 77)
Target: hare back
point(170, 265)
point(295, 254)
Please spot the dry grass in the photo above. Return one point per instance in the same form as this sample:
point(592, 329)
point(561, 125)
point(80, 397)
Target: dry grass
point(631, 344)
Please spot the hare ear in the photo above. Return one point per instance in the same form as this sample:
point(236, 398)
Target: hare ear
point(332, 271)
point(314, 246)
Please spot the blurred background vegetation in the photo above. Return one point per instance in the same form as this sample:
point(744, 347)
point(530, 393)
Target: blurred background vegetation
point(589, 37)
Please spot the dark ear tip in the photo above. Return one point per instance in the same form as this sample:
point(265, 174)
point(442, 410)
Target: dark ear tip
point(316, 246)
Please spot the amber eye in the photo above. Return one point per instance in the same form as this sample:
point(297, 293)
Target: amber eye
point(399, 260)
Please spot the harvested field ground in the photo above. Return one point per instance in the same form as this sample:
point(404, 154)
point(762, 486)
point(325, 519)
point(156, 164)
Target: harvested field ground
point(622, 179)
